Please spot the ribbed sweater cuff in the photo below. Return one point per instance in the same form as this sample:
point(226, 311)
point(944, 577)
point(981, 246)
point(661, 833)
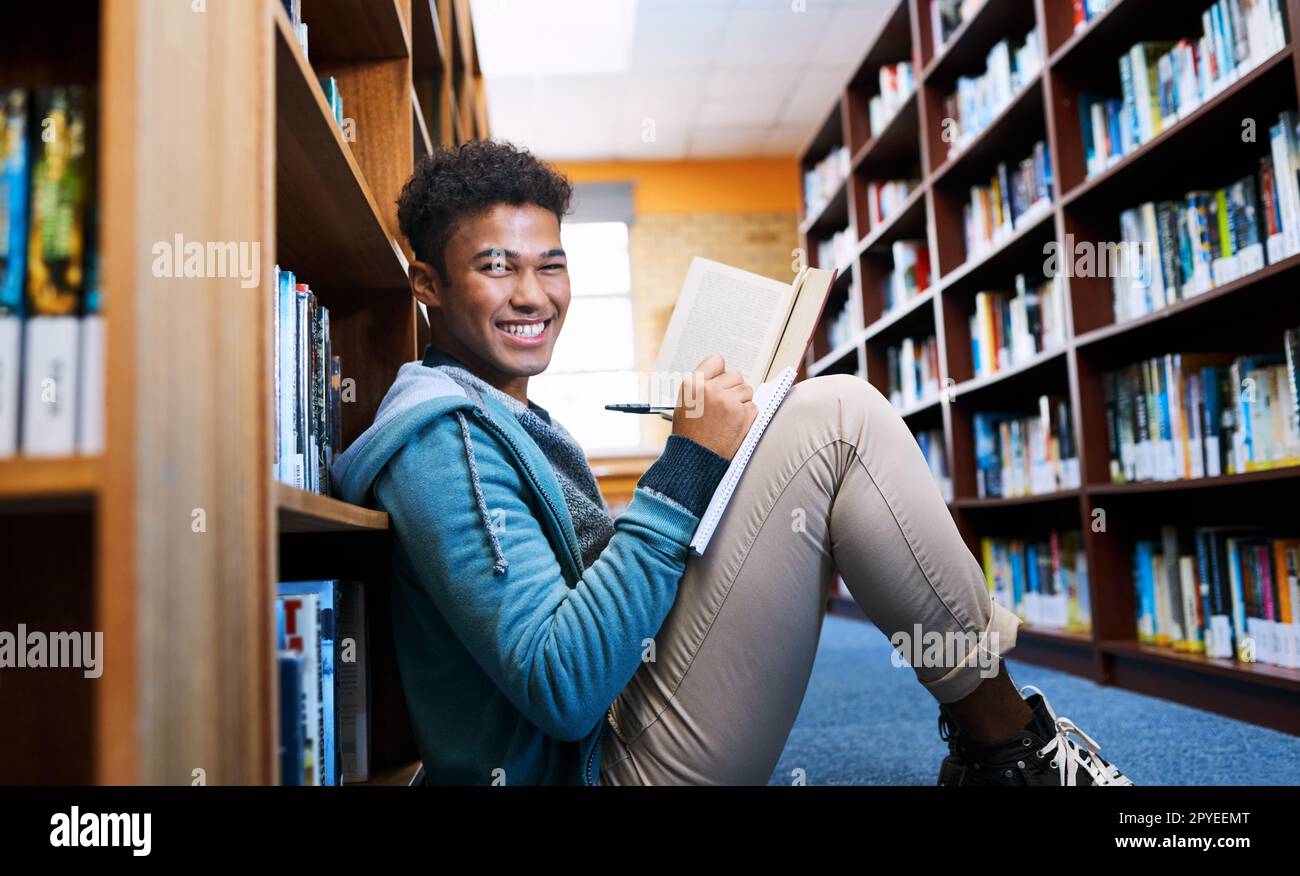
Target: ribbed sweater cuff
point(686, 472)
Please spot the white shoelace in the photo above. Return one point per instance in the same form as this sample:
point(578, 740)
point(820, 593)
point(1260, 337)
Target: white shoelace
point(1069, 758)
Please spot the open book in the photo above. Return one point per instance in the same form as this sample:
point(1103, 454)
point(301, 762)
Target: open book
point(759, 325)
point(761, 328)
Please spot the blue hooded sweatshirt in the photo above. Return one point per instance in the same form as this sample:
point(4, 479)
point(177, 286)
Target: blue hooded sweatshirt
point(510, 651)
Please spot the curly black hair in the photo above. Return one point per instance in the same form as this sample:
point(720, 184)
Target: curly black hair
point(454, 184)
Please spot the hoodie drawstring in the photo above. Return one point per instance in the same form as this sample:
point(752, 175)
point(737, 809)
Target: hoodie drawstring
point(500, 563)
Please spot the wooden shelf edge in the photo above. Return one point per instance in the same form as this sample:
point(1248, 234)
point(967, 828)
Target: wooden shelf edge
point(1046, 634)
point(1244, 479)
point(1037, 218)
point(400, 265)
point(1187, 304)
point(979, 384)
point(1082, 35)
point(838, 354)
point(911, 105)
point(34, 480)
point(971, 504)
point(1251, 673)
point(421, 127)
point(875, 235)
point(941, 58)
point(301, 511)
point(897, 315)
point(841, 193)
point(956, 160)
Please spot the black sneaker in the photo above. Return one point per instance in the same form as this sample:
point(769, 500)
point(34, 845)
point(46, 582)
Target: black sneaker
point(1041, 754)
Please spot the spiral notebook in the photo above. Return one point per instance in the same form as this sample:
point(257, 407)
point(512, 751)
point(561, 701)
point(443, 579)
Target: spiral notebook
point(768, 398)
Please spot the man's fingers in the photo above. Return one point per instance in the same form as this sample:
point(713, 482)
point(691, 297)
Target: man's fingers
point(712, 366)
point(728, 379)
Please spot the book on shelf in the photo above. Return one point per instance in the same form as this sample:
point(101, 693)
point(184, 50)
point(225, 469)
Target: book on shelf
point(334, 98)
point(886, 197)
point(1026, 455)
point(936, 457)
point(1224, 592)
point(824, 179)
point(1010, 328)
point(331, 719)
point(977, 101)
point(913, 371)
point(947, 16)
point(1011, 200)
point(1086, 10)
point(51, 333)
point(840, 329)
point(1171, 251)
point(910, 276)
point(897, 82)
point(308, 387)
point(293, 8)
point(1193, 415)
point(838, 252)
point(1045, 583)
point(1163, 82)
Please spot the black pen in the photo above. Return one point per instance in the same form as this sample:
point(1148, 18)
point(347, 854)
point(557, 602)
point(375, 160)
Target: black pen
point(634, 408)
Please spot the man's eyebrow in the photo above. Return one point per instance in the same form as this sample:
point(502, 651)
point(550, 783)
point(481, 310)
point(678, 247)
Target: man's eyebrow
point(554, 253)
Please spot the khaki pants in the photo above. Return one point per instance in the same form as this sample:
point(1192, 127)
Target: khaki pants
point(837, 483)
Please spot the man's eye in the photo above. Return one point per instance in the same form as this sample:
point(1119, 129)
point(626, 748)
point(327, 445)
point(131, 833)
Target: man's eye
point(495, 266)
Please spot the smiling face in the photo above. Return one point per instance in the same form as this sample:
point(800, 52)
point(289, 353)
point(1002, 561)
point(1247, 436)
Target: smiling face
point(508, 294)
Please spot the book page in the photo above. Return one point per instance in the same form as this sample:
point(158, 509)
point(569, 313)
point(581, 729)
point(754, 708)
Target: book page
point(724, 310)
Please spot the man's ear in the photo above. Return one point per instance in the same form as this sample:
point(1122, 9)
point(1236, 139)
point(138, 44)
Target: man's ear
point(425, 285)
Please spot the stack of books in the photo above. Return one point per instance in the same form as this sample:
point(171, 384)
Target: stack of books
point(1162, 82)
point(897, 84)
point(1192, 415)
point(825, 179)
point(1225, 592)
point(321, 647)
point(1174, 250)
point(309, 388)
point(913, 371)
point(1044, 582)
point(1009, 67)
point(911, 274)
point(1019, 455)
point(1008, 329)
point(1011, 200)
point(51, 330)
point(884, 199)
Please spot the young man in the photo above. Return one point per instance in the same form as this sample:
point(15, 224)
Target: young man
point(541, 642)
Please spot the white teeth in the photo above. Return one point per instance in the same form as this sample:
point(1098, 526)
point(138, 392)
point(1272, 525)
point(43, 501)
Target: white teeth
point(527, 331)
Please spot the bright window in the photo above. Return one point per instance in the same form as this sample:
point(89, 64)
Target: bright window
point(594, 363)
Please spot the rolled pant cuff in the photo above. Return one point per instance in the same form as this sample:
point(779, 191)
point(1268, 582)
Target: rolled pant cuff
point(996, 640)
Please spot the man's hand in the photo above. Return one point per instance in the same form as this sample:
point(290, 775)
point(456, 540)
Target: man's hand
point(720, 409)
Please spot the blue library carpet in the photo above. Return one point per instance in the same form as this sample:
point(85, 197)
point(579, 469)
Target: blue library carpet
point(866, 722)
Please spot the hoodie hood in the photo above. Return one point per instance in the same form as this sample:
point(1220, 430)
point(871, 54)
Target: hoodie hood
point(417, 396)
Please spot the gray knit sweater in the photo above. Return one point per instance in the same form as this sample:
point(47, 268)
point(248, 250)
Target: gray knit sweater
point(686, 473)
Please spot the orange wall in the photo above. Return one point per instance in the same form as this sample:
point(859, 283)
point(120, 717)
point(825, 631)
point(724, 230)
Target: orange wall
point(743, 185)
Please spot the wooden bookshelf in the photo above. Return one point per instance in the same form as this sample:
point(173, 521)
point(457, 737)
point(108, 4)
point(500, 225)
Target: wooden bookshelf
point(1244, 315)
point(215, 126)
